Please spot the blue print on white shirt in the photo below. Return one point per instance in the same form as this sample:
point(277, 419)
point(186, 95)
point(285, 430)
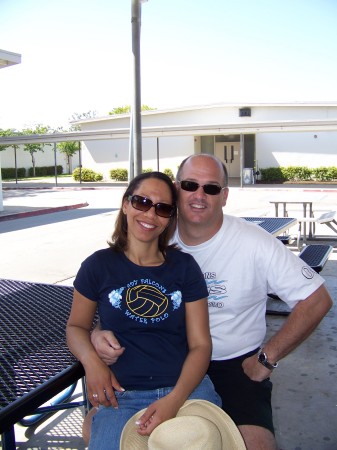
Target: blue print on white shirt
point(217, 290)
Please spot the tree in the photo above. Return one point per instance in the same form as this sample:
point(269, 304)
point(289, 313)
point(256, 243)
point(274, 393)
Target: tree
point(126, 109)
point(80, 116)
point(68, 148)
point(35, 147)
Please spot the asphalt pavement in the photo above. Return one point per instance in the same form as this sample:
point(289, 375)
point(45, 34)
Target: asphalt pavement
point(46, 231)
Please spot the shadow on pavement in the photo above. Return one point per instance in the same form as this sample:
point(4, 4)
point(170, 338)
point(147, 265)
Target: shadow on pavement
point(22, 223)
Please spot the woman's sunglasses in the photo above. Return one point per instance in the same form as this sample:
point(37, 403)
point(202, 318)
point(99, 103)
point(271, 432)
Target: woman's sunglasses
point(144, 204)
point(192, 186)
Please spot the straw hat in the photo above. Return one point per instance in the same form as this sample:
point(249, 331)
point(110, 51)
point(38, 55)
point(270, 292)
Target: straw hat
point(199, 425)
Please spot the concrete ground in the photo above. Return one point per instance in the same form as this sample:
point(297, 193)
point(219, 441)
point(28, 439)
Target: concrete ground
point(45, 233)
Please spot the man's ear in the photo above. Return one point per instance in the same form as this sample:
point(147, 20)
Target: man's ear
point(225, 196)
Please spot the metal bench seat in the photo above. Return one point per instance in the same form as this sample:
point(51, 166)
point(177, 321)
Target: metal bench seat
point(286, 239)
point(316, 256)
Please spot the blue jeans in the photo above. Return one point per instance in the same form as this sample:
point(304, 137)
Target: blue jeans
point(108, 423)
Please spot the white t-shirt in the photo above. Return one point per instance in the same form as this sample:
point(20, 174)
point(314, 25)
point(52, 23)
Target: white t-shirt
point(242, 263)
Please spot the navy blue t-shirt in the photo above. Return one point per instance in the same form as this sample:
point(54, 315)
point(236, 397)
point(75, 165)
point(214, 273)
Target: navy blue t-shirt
point(144, 307)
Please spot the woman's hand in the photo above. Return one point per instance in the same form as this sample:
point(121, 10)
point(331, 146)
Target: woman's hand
point(158, 412)
point(101, 383)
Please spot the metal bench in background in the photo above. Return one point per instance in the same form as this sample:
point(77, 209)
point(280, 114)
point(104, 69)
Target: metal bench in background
point(316, 256)
point(286, 239)
point(327, 218)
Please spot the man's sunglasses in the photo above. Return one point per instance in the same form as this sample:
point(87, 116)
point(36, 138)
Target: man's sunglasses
point(144, 204)
point(192, 186)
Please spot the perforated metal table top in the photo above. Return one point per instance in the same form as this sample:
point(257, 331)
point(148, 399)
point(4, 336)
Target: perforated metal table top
point(35, 363)
point(274, 225)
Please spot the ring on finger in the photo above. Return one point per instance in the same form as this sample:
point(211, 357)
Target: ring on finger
point(94, 395)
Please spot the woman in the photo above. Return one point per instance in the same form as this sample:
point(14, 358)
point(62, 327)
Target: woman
point(154, 299)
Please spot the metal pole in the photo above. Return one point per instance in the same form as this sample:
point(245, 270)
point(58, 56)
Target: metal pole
point(158, 154)
point(136, 105)
point(80, 161)
point(131, 173)
point(55, 164)
point(16, 165)
point(242, 147)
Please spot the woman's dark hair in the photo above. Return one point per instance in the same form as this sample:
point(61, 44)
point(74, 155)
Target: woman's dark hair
point(119, 238)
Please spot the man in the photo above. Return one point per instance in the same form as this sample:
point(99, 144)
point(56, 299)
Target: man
point(241, 264)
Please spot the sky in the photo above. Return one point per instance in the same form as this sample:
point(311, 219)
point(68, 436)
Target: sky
point(77, 55)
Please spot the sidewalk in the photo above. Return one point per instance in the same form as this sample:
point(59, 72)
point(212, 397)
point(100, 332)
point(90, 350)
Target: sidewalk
point(30, 198)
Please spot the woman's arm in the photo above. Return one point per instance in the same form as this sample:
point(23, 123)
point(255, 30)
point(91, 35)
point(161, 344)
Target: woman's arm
point(100, 380)
point(193, 371)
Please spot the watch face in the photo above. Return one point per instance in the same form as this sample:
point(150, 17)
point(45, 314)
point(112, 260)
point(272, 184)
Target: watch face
point(262, 357)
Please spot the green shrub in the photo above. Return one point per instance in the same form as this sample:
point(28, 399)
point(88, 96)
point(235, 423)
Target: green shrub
point(273, 174)
point(147, 170)
point(169, 173)
point(298, 173)
point(86, 175)
point(9, 172)
point(332, 173)
point(45, 171)
point(325, 173)
point(98, 176)
point(119, 174)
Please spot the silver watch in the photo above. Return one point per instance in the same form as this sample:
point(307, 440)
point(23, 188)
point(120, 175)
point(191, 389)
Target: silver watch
point(263, 359)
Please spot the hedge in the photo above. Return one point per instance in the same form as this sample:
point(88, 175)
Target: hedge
point(122, 174)
point(119, 174)
point(45, 171)
point(9, 173)
point(298, 173)
point(86, 175)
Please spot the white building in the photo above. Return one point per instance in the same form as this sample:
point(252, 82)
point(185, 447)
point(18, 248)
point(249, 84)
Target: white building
point(242, 135)
point(7, 59)
point(43, 158)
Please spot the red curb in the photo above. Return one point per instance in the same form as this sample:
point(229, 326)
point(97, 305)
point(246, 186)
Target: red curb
point(39, 212)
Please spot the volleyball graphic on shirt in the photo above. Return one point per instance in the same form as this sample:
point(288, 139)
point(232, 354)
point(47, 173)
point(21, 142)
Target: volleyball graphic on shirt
point(146, 301)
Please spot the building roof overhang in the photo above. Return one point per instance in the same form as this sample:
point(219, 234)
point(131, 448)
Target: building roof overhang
point(178, 130)
point(9, 58)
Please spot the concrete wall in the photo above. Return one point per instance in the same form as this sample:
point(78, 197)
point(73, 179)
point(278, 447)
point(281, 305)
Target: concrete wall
point(271, 149)
point(296, 149)
point(157, 154)
point(45, 158)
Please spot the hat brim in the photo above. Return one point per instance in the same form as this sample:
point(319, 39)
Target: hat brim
point(230, 435)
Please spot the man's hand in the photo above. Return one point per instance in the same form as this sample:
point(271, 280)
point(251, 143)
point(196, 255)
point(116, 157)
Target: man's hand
point(255, 370)
point(106, 345)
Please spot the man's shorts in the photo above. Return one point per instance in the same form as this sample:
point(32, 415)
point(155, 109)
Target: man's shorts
point(247, 402)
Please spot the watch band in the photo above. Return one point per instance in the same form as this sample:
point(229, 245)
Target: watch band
point(263, 359)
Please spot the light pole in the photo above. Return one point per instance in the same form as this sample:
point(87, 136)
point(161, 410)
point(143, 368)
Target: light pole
point(135, 147)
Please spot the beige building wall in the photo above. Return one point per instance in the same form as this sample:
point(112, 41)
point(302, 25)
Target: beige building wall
point(313, 148)
point(45, 158)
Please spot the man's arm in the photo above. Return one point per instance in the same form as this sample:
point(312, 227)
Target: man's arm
point(106, 345)
point(302, 321)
